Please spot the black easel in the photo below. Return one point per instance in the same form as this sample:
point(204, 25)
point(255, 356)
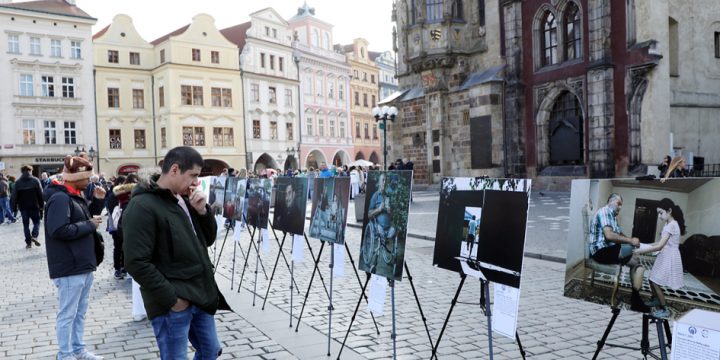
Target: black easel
point(484, 305)
point(247, 258)
point(644, 348)
point(241, 251)
point(362, 295)
point(277, 259)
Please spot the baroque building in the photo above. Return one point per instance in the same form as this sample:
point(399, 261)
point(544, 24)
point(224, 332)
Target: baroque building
point(47, 108)
point(324, 92)
point(270, 82)
point(363, 98)
point(387, 81)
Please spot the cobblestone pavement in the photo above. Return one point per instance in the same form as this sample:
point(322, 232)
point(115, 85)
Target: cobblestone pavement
point(550, 326)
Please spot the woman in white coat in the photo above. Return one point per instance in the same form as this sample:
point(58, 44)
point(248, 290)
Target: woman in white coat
point(354, 182)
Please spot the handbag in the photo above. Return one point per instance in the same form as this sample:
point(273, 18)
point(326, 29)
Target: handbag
point(99, 248)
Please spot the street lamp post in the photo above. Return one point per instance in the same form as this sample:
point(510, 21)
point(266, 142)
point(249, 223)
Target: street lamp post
point(385, 113)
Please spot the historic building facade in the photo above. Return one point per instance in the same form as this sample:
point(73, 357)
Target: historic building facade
point(363, 98)
point(324, 85)
point(270, 83)
point(47, 108)
point(387, 81)
point(124, 64)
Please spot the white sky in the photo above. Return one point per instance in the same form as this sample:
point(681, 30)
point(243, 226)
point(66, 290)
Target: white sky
point(369, 19)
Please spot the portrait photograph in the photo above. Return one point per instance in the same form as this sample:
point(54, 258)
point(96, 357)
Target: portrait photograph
point(230, 197)
point(240, 201)
point(290, 204)
point(645, 245)
point(217, 194)
point(328, 215)
point(259, 192)
point(382, 250)
point(481, 228)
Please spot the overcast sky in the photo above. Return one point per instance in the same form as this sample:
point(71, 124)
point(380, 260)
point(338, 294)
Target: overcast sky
point(369, 19)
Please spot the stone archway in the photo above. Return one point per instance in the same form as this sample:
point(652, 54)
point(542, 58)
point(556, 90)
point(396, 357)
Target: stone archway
point(265, 161)
point(213, 167)
point(290, 163)
point(548, 98)
point(638, 81)
point(341, 158)
point(374, 158)
point(359, 156)
point(314, 159)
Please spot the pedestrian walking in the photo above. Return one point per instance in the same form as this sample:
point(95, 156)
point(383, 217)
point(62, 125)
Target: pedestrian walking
point(28, 198)
point(167, 228)
point(71, 237)
point(5, 193)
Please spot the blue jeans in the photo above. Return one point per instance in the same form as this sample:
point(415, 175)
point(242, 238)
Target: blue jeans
point(5, 209)
point(73, 294)
point(172, 331)
point(26, 216)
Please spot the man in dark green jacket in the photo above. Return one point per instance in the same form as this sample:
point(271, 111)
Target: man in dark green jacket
point(167, 227)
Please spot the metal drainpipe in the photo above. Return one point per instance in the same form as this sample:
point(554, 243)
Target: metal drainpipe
point(154, 121)
point(97, 131)
point(244, 111)
point(299, 127)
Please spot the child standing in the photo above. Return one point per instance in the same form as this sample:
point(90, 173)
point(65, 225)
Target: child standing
point(668, 269)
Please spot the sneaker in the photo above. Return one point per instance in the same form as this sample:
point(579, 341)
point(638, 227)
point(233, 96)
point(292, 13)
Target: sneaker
point(35, 241)
point(119, 274)
point(86, 355)
point(654, 302)
point(661, 314)
point(28, 246)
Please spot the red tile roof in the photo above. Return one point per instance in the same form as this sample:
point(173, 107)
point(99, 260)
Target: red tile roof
point(53, 7)
point(237, 34)
point(167, 36)
point(101, 32)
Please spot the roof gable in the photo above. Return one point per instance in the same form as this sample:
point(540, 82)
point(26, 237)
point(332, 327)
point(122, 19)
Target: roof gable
point(269, 14)
point(52, 7)
point(121, 31)
point(237, 34)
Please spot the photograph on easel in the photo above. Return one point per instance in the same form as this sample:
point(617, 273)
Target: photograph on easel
point(235, 206)
point(646, 245)
point(204, 186)
point(231, 194)
point(259, 191)
point(217, 194)
point(382, 250)
point(328, 215)
point(481, 228)
point(290, 204)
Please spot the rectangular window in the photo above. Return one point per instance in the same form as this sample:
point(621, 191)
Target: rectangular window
point(267, 31)
point(215, 57)
point(29, 132)
point(196, 54)
point(355, 74)
point(226, 94)
point(342, 129)
point(308, 84)
point(372, 79)
point(162, 56)
point(113, 96)
point(215, 97)
point(138, 99)
point(341, 92)
point(134, 58)
point(289, 131)
point(199, 136)
point(321, 127)
point(161, 96)
point(357, 98)
point(273, 130)
point(70, 134)
point(331, 128)
point(163, 138)
point(281, 63)
point(481, 146)
point(367, 132)
point(139, 138)
point(273, 95)
point(113, 56)
point(331, 90)
point(365, 102)
point(262, 60)
point(434, 11)
point(186, 94)
point(115, 139)
point(309, 126)
point(319, 87)
point(197, 96)
point(75, 50)
point(254, 92)
point(26, 85)
point(272, 62)
point(223, 136)
point(187, 136)
point(274, 33)
point(55, 48)
point(375, 133)
point(717, 45)
point(68, 87)
point(288, 97)
point(373, 100)
point(13, 44)
point(50, 132)
point(357, 130)
point(35, 46)
point(256, 129)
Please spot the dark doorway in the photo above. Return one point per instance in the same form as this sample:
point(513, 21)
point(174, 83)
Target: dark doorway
point(566, 131)
point(645, 220)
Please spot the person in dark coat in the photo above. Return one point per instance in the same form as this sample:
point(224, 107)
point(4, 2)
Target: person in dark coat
point(28, 198)
point(5, 191)
point(70, 235)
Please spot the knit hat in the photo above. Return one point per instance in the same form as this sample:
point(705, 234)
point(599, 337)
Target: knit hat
point(76, 168)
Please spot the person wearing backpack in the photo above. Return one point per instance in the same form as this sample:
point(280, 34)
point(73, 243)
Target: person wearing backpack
point(4, 203)
point(27, 196)
point(71, 237)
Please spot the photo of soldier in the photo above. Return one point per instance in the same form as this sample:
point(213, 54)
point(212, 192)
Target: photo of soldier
point(259, 191)
point(290, 203)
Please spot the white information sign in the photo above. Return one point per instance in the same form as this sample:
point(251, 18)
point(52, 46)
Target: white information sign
point(505, 310)
point(298, 248)
point(339, 261)
point(696, 336)
point(378, 289)
point(265, 241)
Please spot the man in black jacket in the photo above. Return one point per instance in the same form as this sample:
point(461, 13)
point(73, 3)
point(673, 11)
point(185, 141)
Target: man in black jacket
point(28, 198)
point(70, 234)
point(5, 191)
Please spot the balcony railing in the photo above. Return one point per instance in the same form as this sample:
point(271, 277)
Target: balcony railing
point(705, 170)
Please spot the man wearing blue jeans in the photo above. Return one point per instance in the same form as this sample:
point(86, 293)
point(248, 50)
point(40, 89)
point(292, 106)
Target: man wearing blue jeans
point(4, 203)
point(70, 234)
point(28, 197)
point(167, 228)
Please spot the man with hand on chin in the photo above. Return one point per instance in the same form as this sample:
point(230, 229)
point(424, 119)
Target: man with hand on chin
point(167, 227)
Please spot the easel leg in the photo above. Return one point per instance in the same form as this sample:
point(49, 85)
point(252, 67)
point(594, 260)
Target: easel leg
point(486, 290)
point(447, 318)
point(352, 319)
point(312, 254)
point(272, 275)
point(217, 260)
point(522, 351)
point(247, 258)
point(372, 316)
point(257, 262)
point(281, 252)
point(257, 251)
point(661, 338)
point(292, 281)
point(330, 305)
point(393, 335)
point(232, 272)
point(307, 293)
point(644, 341)
point(668, 334)
point(601, 342)
point(417, 301)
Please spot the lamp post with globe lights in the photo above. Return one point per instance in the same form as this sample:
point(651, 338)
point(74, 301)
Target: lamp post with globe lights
point(385, 113)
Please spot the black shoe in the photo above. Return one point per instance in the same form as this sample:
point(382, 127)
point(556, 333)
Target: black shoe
point(35, 241)
point(637, 304)
point(119, 274)
point(28, 246)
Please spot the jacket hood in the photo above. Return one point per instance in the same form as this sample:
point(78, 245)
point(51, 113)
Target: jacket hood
point(123, 189)
point(53, 188)
point(148, 184)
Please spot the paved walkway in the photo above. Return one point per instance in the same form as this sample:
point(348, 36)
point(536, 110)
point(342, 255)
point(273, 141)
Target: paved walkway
point(550, 326)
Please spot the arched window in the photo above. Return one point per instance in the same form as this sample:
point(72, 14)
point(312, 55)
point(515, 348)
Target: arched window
point(481, 12)
point(548, 40)
point(327, 40)
point(316, 38)
point(573, 32)
point(434, 11)
point(457, 10)
point(566, 131)
point(413, 12)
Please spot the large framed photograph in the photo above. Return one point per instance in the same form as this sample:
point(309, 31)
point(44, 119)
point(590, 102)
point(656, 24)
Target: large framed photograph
point(231, 194)
point(290, 204)
point(382, 250)
point(239, 204)
point(677, 228)
point(481, 228)
point(259, 191)
point(329, 209)
point(217, 194)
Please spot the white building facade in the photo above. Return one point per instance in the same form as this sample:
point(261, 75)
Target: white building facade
point(47, 106)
